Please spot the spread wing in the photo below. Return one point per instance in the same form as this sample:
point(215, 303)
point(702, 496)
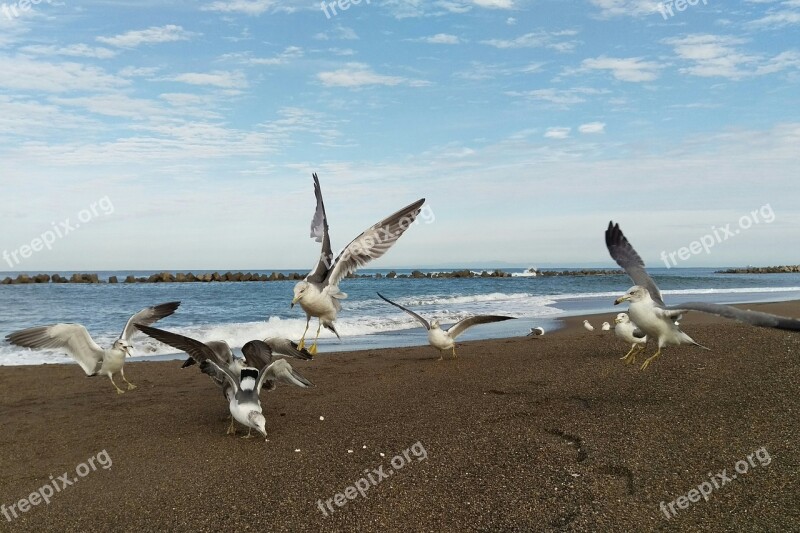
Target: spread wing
point(72, 338)
point(280, 346)
point(421, 320)
point(460, 327)
point(147, 316)
point(319, 232)
point(754, 318)
point(257, 354)
point(221, 348)
point(220, 374)
point(280, 371)
point(373, 243)
point(195, 349)
point(623, 253)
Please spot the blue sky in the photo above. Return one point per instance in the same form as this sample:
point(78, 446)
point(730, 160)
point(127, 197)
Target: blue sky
point(526, 124)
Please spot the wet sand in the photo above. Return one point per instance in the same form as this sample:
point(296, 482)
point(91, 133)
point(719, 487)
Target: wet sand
point(525, 434)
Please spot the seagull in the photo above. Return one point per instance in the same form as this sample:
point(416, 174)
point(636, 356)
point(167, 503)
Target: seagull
point(648, 311)
point(241, 382)
point(588, 326)
point(627, 331)
point(275, 345)
point(76, 341)
point(536, 332)
point(318, 294)
point(442, 339)
point(606, 326)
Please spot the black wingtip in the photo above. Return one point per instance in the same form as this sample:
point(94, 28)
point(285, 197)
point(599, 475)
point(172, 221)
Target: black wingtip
point(189, 362)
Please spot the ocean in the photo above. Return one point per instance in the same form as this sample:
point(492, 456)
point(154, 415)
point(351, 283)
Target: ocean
point(240, 312)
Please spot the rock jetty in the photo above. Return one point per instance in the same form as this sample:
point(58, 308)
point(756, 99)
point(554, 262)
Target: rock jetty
point(787, 269)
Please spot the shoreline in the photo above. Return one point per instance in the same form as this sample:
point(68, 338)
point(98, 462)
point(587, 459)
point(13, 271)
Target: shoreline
point(546, 433)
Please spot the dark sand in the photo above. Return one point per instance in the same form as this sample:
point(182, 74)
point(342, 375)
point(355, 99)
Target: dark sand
point(523, 434)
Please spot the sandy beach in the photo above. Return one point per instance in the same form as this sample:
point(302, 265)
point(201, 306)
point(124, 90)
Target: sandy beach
point(524, 434)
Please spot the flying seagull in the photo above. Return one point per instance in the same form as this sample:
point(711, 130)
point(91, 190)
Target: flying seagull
point(76, 341)
point(444, 340)
point(654, 318)
point(627, 331)
point(319, 293)
point(536, 332)
point(587, 326)
point(241, 382)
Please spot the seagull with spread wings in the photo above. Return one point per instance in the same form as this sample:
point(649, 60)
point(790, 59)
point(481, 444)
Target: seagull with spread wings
point(318, 294)
point(654, 318)
point(241, 381)
point(76, 341)
point(444, 340)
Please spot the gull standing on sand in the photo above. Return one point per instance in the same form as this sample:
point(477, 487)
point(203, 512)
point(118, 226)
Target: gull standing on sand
point(627, 331)
point(606, 326)
point(588, 326)
point(536, 332)
point(648, 311)
point(76, 341)
point(444, 340)
point(319, 293)
point(241, 382)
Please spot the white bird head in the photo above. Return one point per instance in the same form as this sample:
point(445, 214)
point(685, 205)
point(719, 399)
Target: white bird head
point(259, 422)
point(124, 346)
point(634, 294)
point(434, 324)
point(299, 291)
point(622, 318)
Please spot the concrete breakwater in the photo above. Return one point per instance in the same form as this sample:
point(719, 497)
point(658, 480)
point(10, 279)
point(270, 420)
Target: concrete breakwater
point(189, 277)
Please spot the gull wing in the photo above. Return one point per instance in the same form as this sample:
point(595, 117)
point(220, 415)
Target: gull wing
point(147, 316)
point(372, 243)
point(221, 348)
point(220, 374)
point(460, 327)
point(280, 371)
point(754, 318)
point(421, 320)
point(623, 253)
point(257, 354)
point(281, 346)
point(72, 338)
point(195, 349)
point(319, 232)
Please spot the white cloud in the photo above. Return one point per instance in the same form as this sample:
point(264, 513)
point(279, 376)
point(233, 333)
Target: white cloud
point(23, 73)
point(557, 133)
point(152, 35)
point(247, 7)
point(360, 75)
point(73, 50)
point(592, 127)
point(221, 79)
point(538, 39)
point(632, 69)
point(561, 97)
point(718, 56)
point(440, 38)
point(787, 14)
point(630, 8)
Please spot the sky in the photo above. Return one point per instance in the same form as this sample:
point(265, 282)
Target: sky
point(182, 135)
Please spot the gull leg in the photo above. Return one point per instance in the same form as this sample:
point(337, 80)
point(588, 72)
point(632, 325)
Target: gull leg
point(302, 343)
point(630, 357)
point(231, 428)
point(131, 386)
point(313, 349)
point(454, 352)
point(651, 359)
point(119, 391)
point(625, 357)
point(248, 436)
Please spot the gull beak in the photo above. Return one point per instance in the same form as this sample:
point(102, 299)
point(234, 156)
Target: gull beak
point(616, 321)
point(623, 298)
point(128, 351)
point(294, 301)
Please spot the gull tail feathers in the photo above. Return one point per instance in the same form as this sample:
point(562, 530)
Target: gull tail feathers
point(686, 339)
